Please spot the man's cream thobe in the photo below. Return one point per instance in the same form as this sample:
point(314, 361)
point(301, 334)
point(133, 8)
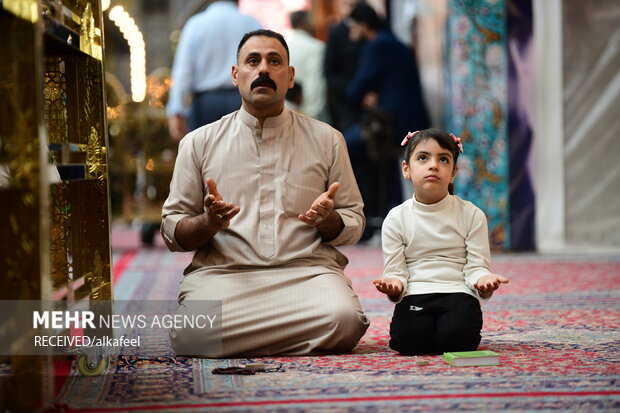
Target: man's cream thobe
point(282, 288)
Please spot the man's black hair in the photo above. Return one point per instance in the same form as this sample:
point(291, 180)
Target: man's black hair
point(266, 33)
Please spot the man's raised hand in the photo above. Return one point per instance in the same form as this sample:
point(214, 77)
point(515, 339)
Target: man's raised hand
point(322, 207)
point(219, 212)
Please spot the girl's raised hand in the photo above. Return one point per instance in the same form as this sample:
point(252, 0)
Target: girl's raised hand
point(389, 286)
point(489, 283)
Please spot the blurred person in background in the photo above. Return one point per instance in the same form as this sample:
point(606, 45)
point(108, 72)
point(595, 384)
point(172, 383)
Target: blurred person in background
point(341, 57)
point(308, 57)
point(386, 86)
point(294, 97)
point(201, 90)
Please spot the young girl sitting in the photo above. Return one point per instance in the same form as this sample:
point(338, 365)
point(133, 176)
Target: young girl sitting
point(436, 254)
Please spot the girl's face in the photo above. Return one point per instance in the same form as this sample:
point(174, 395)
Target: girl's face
point(431, 169)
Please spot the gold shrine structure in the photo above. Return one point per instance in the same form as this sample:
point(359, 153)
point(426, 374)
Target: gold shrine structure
point(55, 220)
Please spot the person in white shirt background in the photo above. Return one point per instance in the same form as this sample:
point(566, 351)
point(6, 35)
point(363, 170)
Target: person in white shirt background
point(201, 90)
point(436, 254)
point(308, 59)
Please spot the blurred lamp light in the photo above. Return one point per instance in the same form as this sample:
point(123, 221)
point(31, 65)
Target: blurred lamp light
point(115, 12)
point(137, 50)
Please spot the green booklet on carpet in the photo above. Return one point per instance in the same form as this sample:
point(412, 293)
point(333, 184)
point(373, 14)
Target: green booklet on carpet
point(471, 358)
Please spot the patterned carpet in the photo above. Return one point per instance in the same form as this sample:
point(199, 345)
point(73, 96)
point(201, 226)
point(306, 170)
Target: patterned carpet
point(555, 326)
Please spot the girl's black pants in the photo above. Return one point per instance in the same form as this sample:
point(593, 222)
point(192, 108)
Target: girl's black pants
point(436, 323)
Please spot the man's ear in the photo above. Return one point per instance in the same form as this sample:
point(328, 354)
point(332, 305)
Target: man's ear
point(234, 75)
point(291, 71)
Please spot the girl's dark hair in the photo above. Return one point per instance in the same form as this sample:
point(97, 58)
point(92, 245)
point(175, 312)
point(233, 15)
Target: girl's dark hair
point(442, 138)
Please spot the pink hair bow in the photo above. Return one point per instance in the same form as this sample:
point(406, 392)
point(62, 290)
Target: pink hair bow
point(458, 142)
point(409, 136)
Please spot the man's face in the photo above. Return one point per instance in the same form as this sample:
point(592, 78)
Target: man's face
point(262, 73)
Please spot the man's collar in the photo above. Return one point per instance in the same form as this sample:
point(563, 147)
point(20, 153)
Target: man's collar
point(271, 122)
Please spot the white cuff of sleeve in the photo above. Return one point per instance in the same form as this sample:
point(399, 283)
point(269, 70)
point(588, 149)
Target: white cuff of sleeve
point(168, 228)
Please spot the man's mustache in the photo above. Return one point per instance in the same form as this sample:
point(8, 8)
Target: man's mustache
point(264, 81)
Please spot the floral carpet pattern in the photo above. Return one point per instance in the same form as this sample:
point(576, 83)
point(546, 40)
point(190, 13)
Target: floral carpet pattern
point(556, 326)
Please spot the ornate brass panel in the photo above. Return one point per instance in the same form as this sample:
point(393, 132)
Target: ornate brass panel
point(24, 260)
point(20, 254)
point(60, 240)
point(74, 112)
point(24, 9)
point(81, 240)
point(55, 95)
point(75, 224)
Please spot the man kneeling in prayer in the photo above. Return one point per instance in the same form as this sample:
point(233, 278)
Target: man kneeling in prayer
point(264, 195)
